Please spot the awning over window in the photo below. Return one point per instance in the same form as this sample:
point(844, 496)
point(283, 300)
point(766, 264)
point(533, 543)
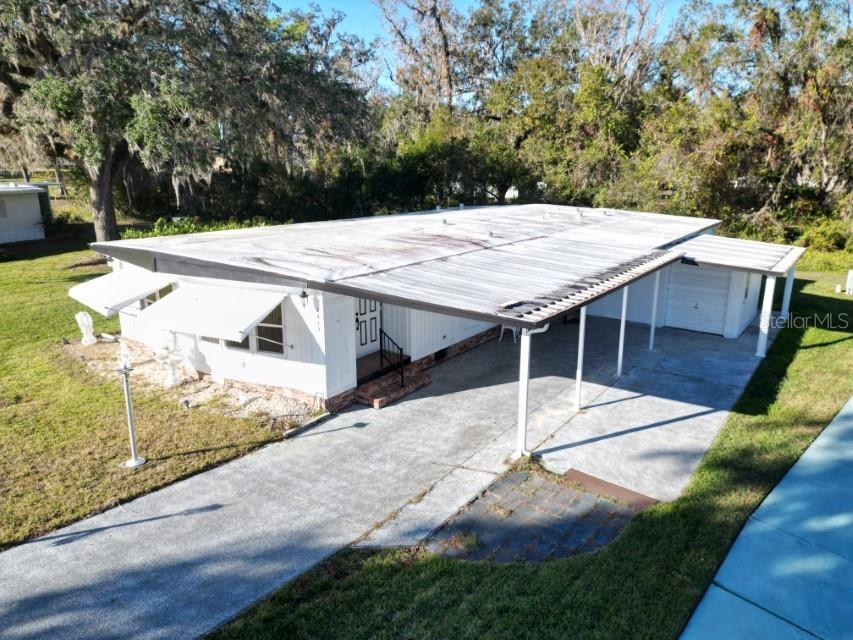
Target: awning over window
point(110, 293)
point(216, 312)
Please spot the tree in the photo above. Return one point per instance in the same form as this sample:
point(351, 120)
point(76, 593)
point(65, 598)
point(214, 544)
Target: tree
point(427, 38)
point(187, 85)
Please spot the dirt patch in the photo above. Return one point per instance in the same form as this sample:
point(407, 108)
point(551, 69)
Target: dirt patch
point(94, 262)
point(228, 398)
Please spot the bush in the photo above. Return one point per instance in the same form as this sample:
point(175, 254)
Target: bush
point(829, 235)
point(180, 226)
point(64, 221)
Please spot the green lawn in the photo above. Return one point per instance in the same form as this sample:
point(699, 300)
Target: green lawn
point(62, 430)
point(647, 583)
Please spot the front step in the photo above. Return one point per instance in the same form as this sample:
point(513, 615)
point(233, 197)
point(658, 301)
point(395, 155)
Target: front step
point(381, 371)
point(385, 390)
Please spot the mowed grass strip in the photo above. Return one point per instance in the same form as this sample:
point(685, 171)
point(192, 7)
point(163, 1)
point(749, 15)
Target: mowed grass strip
point(63, 434)
point(647, 583)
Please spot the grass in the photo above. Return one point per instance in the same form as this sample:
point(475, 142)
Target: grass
point(644, 585)
point(63, 433)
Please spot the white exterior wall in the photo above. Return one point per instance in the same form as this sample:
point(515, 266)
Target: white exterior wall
point(339, 325)
point(22, 219)
point(395, 322)
point(639, 301)
point(742, 306)
point(430, 332)
point(421, 333)
point(304, 367)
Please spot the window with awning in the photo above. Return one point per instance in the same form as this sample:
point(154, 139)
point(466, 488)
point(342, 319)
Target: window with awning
point(110, 293)
point(228, 313)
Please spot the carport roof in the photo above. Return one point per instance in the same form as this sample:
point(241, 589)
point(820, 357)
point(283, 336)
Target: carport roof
point(519, 265)
point(745, 255)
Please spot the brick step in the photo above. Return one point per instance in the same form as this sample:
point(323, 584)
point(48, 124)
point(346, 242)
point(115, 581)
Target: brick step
point(385, 390)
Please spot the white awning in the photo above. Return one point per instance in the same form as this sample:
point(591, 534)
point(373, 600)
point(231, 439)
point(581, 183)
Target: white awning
point(216, 312)
point(110, 293)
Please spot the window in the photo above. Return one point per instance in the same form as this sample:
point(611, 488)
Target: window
point(267, 337)
point(154, 297)
point(270, 332)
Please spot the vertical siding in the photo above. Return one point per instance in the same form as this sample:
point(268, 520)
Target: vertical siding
point(750, 305)
point(742, 302)
point(395, 322)
point(639, 301)
point(339, 342)
point(430, 332)
point(303, 328)
point(698, 298)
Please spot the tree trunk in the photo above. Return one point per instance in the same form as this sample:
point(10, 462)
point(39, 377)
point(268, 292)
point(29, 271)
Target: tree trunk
point(101, 201)
point(57, 174)
point(25, 171)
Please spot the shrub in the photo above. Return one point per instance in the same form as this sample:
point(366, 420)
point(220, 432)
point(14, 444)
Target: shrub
point(180, 226)
point(829, 235)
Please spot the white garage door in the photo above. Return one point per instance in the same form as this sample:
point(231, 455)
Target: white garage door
point(697, 298)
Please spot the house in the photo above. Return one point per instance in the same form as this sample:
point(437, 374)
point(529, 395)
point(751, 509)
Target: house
point(20, 213)
point(321, 308)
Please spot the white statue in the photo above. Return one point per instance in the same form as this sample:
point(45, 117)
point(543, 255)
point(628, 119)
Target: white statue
point(124, 356)
point(170, 356)
point(84, 321)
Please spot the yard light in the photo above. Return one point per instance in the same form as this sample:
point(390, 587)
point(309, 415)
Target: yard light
point(124, 370)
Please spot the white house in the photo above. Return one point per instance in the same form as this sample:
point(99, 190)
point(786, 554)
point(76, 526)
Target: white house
point(20, 213)
point(321, 308)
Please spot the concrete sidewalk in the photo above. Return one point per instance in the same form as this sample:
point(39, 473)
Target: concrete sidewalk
point(181, 560)
point(789, 574)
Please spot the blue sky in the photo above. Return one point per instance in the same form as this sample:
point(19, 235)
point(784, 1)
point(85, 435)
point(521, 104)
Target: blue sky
point(363, 17)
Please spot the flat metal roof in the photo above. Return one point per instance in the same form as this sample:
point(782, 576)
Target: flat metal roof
point(11, 188)
point(745, 255)
point(518, 264)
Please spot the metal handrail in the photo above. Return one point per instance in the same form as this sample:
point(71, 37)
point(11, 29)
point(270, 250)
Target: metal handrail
point(387, 348)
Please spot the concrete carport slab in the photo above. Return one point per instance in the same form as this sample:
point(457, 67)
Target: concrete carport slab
point(181, 560)
point(648, 430)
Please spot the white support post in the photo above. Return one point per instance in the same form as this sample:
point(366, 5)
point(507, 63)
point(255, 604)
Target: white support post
point(579, 371)
point(523, 379)
point(622, 331)
point(654, 311)
point(766, 312)
point(523, 384)
point(786, 295)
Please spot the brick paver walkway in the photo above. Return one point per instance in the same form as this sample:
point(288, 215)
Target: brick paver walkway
point(531, 517)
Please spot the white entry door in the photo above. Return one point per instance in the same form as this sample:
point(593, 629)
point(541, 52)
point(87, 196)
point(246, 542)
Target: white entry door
point(367, 318)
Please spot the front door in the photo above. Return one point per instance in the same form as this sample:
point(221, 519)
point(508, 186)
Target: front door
point(367, 320)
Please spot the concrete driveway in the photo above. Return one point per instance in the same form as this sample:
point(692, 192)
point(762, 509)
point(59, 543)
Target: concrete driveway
point(182, 560)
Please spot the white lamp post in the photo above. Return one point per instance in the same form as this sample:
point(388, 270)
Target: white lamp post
point(124, 369)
